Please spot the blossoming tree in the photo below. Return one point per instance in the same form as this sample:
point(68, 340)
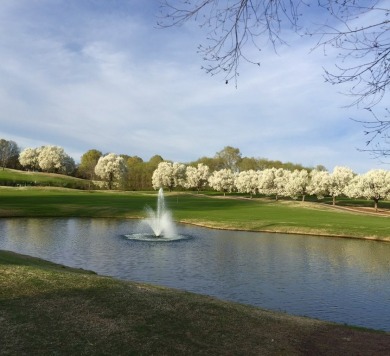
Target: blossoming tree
point(267, 182)
point(374, 185)
point(28, 158)
point(247, 182)
point(297, 184)
point(339, 180)
point(111, 168)
point(197, 177)
point(54, 159)
point(319, 183)
point(222, 180)
point(168, 175)
point(282, 177)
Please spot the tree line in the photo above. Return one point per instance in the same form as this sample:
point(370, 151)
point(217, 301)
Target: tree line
point(278, 182)
point(136, 174)
point(227, 171)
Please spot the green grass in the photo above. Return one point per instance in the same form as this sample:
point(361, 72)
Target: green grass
point(51, 309)
point(11, 177)
point(211, 211)
point(282, 216)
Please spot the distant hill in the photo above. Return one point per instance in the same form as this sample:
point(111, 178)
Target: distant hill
point(13, 177)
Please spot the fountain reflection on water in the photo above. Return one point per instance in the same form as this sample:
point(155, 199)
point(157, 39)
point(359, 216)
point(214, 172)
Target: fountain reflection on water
point(159, 225)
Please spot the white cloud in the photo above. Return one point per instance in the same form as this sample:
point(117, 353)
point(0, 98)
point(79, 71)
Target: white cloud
point(83, 78)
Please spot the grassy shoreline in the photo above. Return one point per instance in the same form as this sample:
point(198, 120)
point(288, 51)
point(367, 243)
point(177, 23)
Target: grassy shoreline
point(52, 309)
point(267, 215)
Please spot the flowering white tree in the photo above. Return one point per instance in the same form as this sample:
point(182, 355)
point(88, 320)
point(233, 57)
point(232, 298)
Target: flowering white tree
point(374, 184)
point(282, 177)
point(267, 182)
point(28, 158)
point(110, 168)
point(222, 180)
point(196, 177)
point(297, 184)
point(168, 175)
point(319, 183)
point(339, 180)
point(247, 182)
point(54, 159)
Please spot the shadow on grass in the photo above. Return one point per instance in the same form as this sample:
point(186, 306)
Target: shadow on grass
point(47, 310)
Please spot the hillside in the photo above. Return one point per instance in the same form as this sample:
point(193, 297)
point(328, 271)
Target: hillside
point(13, 177)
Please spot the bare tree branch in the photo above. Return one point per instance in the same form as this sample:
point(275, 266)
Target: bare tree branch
point(361, 35)
point(358, 29)
point(377, 131)
point(232, 25)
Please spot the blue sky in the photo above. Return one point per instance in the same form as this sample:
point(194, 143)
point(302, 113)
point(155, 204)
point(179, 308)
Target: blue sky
point(94, 74)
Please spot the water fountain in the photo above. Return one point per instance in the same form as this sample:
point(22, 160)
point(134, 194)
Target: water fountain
point(158, 225)
point(160, 221)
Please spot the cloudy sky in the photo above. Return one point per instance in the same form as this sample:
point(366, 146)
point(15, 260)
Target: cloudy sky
point(98, 74)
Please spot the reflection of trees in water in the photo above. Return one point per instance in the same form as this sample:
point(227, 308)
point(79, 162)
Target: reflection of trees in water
point(367, 256)
point(305, 252)
point(28, 230)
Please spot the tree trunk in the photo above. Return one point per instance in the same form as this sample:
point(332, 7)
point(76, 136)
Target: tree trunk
point(376, 204)
point(110, 180)
point(334, 200)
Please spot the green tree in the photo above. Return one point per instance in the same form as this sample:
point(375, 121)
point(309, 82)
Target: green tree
point(229, 158)
point(88, 163)
point(210, 162)
point(155, 160)
point(140, 173)
point(9, 151)
point(135, 173)
point(249, 163)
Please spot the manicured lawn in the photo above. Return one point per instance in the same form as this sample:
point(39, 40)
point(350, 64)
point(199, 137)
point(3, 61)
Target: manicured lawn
point(11, 177)
point(213, 211)
point(51, 309)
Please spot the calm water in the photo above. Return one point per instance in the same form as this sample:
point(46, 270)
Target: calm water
point(341, 280)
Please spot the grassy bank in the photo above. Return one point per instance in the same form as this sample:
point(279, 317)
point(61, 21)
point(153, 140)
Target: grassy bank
point(51, 309)
point(13, 177)
point(211, 211)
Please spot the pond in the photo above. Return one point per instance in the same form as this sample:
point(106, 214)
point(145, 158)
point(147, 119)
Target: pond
point(341, 280)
